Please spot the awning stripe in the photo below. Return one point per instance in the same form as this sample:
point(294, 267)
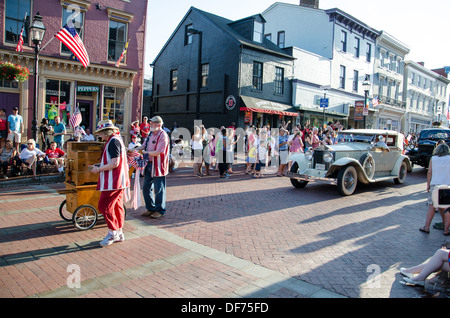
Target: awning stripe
point(269, 111)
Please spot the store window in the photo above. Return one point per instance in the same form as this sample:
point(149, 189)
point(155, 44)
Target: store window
point(71, 16)
point(114, 106)
point(57, 100)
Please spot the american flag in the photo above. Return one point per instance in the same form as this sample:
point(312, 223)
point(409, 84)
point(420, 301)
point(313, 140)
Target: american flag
point(136, 160)
point(69, 36)
point(75, 119)
point(122, 55)
point(19, 47)
point(375, 101)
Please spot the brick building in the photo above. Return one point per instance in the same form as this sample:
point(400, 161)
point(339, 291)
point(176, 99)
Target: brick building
point(101, 90)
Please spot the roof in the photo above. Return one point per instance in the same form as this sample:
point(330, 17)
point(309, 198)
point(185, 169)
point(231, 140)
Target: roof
point(226, 26)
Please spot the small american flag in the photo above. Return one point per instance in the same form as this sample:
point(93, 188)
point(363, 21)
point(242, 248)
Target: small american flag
point(69, 36)
point(136, 160)
point(75, 119)
point(375, 101)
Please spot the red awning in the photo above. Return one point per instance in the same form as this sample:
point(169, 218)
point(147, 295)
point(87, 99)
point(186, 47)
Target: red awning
point(264, 106)
point(268, 111)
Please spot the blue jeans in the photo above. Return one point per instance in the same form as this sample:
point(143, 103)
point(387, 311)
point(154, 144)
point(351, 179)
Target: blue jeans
point(154, 191)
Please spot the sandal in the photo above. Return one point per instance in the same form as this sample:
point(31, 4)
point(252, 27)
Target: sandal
point(422, 229)
point(446, 233)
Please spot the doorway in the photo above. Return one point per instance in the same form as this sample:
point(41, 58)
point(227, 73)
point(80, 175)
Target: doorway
point(85, 107)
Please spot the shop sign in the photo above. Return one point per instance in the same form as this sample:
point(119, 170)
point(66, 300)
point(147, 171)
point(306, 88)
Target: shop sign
point(359, 110)
point(88, 89)
point(230, 102)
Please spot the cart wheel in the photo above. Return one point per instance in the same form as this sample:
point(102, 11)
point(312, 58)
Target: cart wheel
point(84, 217)
point(66, 215)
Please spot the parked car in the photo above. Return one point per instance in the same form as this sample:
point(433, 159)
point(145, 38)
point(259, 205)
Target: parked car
point(425, 144)
point(357, 157)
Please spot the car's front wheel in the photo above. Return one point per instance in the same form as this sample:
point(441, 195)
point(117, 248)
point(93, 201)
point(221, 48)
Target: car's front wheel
point(347, 180)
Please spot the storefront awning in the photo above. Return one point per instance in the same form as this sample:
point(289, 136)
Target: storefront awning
point(265, 106)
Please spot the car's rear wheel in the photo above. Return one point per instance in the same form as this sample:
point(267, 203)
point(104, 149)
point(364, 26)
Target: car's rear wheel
point(347, 180)
point(402, 174)
point(297, 183)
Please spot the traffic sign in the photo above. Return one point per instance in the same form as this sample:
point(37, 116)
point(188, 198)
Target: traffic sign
point(324, 102)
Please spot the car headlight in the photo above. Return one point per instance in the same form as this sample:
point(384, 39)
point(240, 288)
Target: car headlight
point(327, 157)
point(309, 154)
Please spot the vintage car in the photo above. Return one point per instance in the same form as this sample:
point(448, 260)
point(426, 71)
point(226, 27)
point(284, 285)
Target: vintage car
point(428, 138)
point(357, 157)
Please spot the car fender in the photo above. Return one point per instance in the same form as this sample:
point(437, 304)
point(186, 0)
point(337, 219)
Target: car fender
point(338, 164)
point(398, 164)
point(301, 160)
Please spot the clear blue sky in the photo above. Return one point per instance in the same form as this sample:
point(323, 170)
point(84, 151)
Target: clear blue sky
point(421, 25)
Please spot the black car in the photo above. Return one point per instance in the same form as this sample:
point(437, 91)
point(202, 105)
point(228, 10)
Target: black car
point(426, 143)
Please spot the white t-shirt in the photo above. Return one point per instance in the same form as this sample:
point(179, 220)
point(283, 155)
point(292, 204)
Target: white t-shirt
point(440, 171)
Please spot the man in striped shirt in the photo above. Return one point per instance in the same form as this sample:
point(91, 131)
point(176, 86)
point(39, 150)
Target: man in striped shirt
point(157, 147)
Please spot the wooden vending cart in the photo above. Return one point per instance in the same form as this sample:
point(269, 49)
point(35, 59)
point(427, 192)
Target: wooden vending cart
point(81, 204)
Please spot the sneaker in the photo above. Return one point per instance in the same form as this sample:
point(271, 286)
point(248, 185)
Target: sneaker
point(148, 213)
point(409, 281)
point(109, 239)
point(120, 238)
point(156, 215)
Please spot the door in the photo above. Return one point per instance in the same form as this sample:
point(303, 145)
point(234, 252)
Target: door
point(85, 107)
point(8, 101)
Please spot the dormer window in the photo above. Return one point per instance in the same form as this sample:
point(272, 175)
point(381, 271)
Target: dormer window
point(258, 32)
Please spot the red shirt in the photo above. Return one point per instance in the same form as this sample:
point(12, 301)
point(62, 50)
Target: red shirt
point(3, 124)
point(57, 153)
point(145, 129)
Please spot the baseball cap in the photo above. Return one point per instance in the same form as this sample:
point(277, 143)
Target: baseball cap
point(157, 119)
point(16, 108)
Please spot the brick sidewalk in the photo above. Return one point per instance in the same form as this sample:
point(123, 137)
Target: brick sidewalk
point(241, 237)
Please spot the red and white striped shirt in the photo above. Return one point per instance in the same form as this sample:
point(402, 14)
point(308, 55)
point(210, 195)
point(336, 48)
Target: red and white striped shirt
point(117, 178)
point(159, 141)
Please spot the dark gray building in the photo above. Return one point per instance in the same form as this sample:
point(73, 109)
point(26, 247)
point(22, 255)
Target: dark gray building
point(244, 77)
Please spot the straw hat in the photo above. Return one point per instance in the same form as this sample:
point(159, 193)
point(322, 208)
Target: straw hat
point(105, 124)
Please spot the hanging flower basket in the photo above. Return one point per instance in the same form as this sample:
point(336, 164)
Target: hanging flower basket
point(13, 72)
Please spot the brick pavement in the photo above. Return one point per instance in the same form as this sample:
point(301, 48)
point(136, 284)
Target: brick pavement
point(241, 237)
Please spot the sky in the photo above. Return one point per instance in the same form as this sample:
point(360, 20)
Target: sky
point(421, 25)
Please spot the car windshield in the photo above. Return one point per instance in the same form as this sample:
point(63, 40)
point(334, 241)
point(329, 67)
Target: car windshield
point(434, 134)
point(347, 137)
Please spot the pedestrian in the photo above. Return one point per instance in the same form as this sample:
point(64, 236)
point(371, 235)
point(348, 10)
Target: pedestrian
point(44, 130)
point(197, 151)
point(31, 155)
point(438, 174)
point(283, 148)
point(144, 129)
point(231, 142)
point(6, 155)
point(439, 261)
point(221, 152)
point(59, 132)
point(135, 129)
point(157, 147)
point(295, 144)
point(3, 127)
point(262, 154)
point(133, 143)
point(209, 151)
point(88, 136)
point(15, 128)
point(315, 140)
point(113, 181)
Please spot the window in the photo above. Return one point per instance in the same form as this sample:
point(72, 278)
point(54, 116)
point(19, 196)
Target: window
point(114, 105)
point(257, 75)
point(281, 39)
point(117, 39)
point(57, 98)
point(14, 18)
point(342, 77)
point(357, 43)
point(368, 52)
point(343, 41)
point(279, 80)
point(173, 80)
point(187, 36)
point(205, 74)
point(69, 15)
point(268, 36)
point(355, 80)
point(258, 32)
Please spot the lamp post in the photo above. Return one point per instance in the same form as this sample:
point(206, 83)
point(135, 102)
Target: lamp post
point(37, 32)
point(366, 86)
point(199, 65)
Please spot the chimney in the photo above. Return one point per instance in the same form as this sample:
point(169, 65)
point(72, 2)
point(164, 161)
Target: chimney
point(310, 3)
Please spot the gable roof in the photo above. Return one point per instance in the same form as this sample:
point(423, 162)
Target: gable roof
point(226, 26)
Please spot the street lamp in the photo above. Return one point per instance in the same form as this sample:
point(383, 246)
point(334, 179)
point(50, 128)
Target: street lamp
point(37, 32)
point(199, 65)
point(366, 86)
